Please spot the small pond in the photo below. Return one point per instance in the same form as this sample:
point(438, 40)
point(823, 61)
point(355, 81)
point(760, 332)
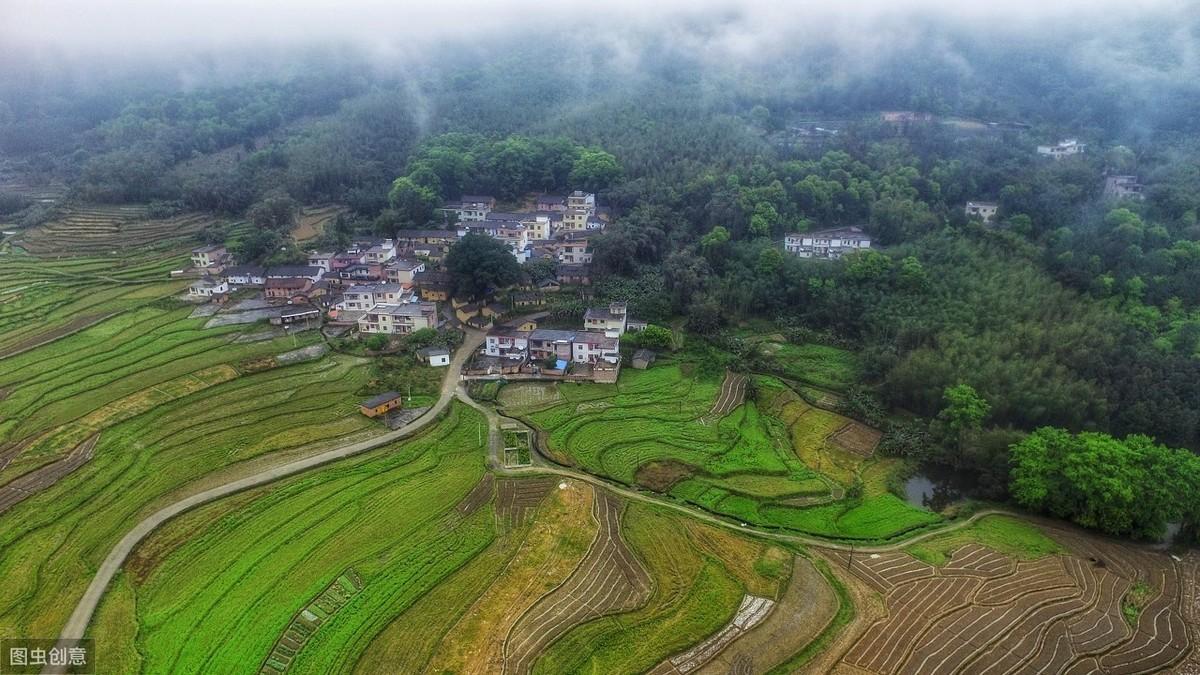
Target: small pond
point(935, 487)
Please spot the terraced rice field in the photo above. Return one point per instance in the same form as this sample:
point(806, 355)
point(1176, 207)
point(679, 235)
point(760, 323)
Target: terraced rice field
point(986, 612)
point(313, 220)
point(43, 300)
point(773, 461)
point(109, 230)
point(172, 432)
point(216, 589)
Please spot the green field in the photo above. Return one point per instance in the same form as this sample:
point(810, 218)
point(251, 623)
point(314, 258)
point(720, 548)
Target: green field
point(767, 463)
point(1012, 537)
point(234, 573)
point(41, 299)
point(700, 577)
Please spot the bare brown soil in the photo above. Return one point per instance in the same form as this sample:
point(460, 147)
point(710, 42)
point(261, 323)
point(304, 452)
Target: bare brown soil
point(856, 438)
point(43, 477)
point(478, 496)
point(609, 579)
point(663, 475)
point(518, 498)
point(805, 608)
point(986, 613)
point(73, 326)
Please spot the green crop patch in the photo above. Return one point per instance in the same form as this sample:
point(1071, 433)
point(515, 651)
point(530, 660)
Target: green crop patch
point(768, 462)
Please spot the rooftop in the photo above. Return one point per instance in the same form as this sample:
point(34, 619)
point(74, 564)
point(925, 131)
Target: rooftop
point(294, 271)
point(434, 351)
point(409, 309)
point(379, 400)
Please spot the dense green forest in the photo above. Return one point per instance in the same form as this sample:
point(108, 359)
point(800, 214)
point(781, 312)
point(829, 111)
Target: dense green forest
point(1072, 311)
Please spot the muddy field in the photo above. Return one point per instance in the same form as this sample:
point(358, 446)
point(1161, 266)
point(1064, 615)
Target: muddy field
point(608, 580)
point(984, 612)
point(518, 498)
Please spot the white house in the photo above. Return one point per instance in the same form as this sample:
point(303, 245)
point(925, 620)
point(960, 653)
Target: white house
point(611, 320)
point(402, 271)
point(1062, 149)
point(208, 287)
point(986, 211)
point(435, 356)
point(593, 346)
point(831, 244)
point(245, 275)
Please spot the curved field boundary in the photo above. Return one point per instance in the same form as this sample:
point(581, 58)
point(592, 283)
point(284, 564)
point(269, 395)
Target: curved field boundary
point(983, 614)
point(733, 392)
point(751, 613)
point(43, 477)
point(77, 624)
point(74, 326)
point(609, 579)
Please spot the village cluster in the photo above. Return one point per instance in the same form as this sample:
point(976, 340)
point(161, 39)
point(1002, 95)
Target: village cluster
point(396, 286)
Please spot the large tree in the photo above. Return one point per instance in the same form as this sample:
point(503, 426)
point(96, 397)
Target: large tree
point(478, 263)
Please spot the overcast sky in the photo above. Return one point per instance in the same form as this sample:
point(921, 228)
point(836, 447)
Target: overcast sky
point(142, 27)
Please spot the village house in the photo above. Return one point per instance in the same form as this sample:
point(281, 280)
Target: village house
point(470, 208)
point(551, 203)
point(643, 358)
point(401, 271)
point(528, 299)
point(313, 274)
point(381, 404)
point(282, 290)
point(399, 319)
point(611, 320)
point(1123, 187)
point(433, 286)
point(434, 253)
point(321, 259)
point(831, 244)
point(985, 211)
point(212, 255)
point(575, 249)
point(1067, 148)
point(208, 287)
point(245, 275)
point(549, 285)
point(297, 314)
point(434, 356)
point(442, 237)
point(576, 275)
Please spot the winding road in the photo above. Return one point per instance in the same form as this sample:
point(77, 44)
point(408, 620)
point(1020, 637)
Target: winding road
point(77, 624)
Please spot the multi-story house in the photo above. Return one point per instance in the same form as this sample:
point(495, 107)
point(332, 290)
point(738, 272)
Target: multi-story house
point(398, 319)
point(470, 208)
point(581, 208)
point(831, 244)
point(401, 271)
point(379, 253)
point(365, 296)
point(611, 320)
point(213, 255)
point(575, 250)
